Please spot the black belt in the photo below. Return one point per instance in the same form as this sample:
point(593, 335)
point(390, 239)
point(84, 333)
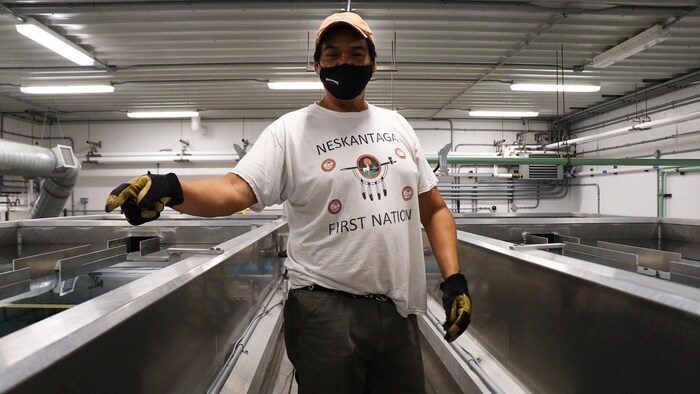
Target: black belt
point(378, 297)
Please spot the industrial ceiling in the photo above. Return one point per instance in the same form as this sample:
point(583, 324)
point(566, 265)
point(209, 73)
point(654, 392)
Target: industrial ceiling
point(437, 58)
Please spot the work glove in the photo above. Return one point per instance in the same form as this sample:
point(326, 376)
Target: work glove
point(458, 306)
point(143, 198)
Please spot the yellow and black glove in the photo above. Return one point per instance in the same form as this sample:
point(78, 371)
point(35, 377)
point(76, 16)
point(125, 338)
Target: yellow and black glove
point(143, 198)
point(458, 306)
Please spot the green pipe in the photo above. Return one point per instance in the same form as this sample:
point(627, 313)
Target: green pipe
point(680, 165)
point(690, 163)
point(687, 169)
point(661, 186)
point(661, 191)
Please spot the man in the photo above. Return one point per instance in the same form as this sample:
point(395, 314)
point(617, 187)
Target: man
point(355, 262)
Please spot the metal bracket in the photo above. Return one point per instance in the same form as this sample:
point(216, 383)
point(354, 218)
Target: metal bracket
point(442, 159)
point(72, 267)
point(537, 246)
point(210, 251)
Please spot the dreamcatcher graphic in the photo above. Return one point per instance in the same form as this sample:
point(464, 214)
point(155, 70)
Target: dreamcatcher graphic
point(371, 173)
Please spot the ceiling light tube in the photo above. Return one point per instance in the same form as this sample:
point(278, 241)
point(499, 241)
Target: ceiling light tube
point(67, 89)
point(503, 114)
point(548, 87)
point(308, 85)
point(55, 42)
point(636, 44)
point(162, 114)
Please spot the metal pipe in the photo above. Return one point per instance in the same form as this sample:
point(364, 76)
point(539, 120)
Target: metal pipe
point(644, 142)
point(468, 358)
point(69, 139)
point(502, 196)
point(515, 207)
point(155, 157)
point(472, 175)
point(496, 174)
point(452, 133)
point(506, 196)
point(512, 192)
point(472, 154)
point(164, 153)
point(660, 193)
point(682, 169)
point(497, 182)
point(36, 161)
point(591, 184)
point(625, 130)
point(566, 161)
point(54, 194)
point(496, 193)
point(650, 92)
point(495, 185)
point(238, 348)
point(614, 171)
point(661, 186)
point(491, 187)
point(657, 109)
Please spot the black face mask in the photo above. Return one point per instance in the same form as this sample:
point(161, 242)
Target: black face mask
point(345, 82)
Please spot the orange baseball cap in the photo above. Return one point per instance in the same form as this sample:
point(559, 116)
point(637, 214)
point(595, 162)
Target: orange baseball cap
point(349, 18)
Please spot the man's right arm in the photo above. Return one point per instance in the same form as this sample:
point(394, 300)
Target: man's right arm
point(216, 196)
point(143, 198)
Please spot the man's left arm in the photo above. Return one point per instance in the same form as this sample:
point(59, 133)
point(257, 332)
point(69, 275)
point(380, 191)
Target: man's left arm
point(440, 227)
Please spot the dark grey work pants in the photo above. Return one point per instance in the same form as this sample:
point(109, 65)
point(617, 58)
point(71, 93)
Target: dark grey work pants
point(340, 344)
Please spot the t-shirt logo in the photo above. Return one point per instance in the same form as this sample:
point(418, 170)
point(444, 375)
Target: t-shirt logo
point(335, 206)
point(369, 166)
point(400, 153)
point(328, 165)
point(371, 173)
point(407, 193)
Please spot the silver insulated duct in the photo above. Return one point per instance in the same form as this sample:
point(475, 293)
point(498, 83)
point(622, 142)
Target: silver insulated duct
point(58, 165)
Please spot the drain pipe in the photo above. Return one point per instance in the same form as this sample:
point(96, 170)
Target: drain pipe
point(238, 348)
point(468, 358)
point(58, 165)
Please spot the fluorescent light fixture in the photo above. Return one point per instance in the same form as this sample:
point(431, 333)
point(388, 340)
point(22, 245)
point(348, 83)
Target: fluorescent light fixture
point(55, 42)
point(67, 89)
point(503, 114)
point(310, 85)
point(548, 87)
point(636, 44)
point(162, 114)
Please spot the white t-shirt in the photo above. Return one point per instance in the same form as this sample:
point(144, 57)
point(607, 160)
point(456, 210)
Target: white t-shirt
point(351, 182)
